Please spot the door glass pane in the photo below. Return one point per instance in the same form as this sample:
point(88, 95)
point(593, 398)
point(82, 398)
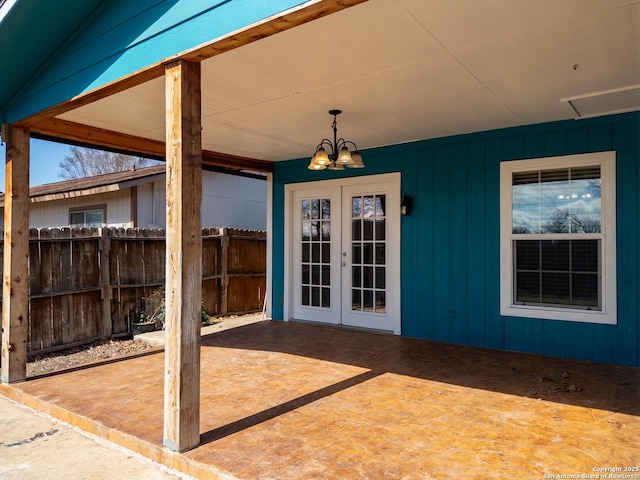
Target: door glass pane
point(315, 266)
point(380, 277)
point(326, 230)
point(306, 230)
point(368, 207)
point(357, 254)
point(326, 298)
point(367, 277)
point(380, 253)
point(380, 206)
point(368, 248)
point(326, 253)
point(315, 274)
point(368, 229)
point(326, 208)
point(356, 229)
point(380, 229)
point(356, 276)
point(367, 301)
point(356, 203)
point(356, 299)
point(381, 304)
point(326, 275)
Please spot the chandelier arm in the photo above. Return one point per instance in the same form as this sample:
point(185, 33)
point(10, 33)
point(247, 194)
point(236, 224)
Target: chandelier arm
point(349, 142)
point(320, 158)
point(344, 143)
point(325, 141)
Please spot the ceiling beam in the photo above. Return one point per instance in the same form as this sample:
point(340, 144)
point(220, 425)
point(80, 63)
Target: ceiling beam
point(56, 129)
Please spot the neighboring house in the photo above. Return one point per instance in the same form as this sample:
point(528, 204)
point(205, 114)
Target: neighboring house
point(137, 199)
point(513, 126)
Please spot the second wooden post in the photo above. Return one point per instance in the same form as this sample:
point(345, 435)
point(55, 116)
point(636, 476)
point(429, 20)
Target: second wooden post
point(183, 292)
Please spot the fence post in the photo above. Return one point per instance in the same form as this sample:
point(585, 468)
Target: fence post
point(224, 242)
point(105, 283)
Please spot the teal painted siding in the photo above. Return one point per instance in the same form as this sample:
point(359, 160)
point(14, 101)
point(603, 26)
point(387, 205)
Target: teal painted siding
point(451, 242)
point(122, 37)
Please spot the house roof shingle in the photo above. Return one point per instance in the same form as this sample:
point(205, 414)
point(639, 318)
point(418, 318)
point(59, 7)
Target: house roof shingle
point(77, 186)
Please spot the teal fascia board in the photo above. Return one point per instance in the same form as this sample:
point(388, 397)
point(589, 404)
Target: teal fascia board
point(31, 33)
point(124, 37)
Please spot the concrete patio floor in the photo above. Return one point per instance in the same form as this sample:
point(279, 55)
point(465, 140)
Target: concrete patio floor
point(300, 401)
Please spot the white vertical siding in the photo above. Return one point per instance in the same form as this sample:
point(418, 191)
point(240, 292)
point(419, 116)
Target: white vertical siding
point(233, 201)
point(227, 201)
point(151, 204)
point(55, 213)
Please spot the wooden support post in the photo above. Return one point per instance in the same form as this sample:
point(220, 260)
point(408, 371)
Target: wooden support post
point(183, 292)
point(15, 285)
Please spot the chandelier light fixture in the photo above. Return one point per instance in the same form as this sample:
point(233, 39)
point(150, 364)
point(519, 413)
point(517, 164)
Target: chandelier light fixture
point(337, 155)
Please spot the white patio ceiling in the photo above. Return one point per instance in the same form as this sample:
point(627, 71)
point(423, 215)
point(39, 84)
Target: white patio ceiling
point(403, 70)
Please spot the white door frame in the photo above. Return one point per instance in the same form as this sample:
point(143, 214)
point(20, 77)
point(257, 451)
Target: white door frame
point(394, 181)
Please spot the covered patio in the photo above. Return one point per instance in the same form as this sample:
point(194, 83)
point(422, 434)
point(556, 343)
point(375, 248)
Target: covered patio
point(300, 401)
point(439, 96)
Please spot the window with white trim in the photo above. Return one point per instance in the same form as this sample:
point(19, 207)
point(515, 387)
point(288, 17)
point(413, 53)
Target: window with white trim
point(558, 238)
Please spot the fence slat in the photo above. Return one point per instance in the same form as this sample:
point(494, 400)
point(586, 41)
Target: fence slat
point(91, 283)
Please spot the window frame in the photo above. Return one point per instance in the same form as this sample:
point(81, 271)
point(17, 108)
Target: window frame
point(84, 210)
point(608, 314)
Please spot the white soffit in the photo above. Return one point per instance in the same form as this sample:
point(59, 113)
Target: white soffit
point(404, 70)
point(604, 103)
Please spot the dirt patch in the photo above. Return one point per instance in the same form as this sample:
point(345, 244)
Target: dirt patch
point(75, 356)
point(104, 350)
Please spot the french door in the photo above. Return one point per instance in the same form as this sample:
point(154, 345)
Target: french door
point(344, 252)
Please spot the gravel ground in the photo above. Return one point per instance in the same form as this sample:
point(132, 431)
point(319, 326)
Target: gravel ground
point(102, 350)
point(72, 357)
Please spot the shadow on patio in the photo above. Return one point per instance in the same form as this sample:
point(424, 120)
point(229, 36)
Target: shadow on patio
point(298, 401)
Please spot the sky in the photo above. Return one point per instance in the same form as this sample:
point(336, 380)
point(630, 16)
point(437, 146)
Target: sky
point(45, 157)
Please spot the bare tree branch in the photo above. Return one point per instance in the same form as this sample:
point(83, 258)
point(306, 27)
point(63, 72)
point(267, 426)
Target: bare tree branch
point(86, 162)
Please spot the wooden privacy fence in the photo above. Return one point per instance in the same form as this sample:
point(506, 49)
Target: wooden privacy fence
point(90, 283)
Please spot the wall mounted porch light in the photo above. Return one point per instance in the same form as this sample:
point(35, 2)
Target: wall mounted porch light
point(338, 155)
point(406, 205)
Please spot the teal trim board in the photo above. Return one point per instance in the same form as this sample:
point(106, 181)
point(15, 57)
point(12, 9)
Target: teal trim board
point(450, 244)
point(108, 40)
point(31, 33)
